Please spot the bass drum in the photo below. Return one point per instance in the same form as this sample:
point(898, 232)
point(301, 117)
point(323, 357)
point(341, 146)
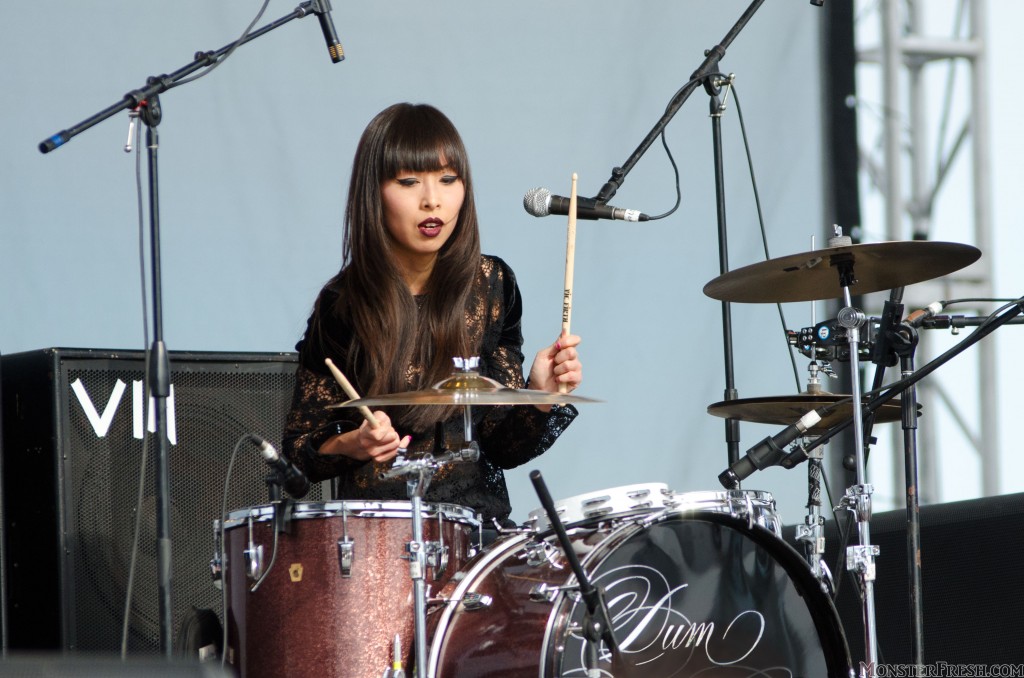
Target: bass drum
point(696, 588)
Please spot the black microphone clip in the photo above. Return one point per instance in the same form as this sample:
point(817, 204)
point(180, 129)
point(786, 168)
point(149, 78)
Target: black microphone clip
point(286, 474)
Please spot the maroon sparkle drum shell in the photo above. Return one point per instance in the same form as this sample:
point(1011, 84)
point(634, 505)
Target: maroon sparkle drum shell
point(306, 620)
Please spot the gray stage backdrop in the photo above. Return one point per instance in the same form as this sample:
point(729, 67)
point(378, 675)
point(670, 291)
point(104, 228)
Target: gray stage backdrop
point(254, 160)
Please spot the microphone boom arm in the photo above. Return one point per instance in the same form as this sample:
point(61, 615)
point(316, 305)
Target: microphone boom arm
point(700, 76)
point(161, 83)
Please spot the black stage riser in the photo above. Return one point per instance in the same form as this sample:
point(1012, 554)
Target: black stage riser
point(72, 452)
point(971, 553)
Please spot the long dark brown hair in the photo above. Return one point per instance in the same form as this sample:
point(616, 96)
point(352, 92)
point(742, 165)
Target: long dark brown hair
point(398, 344)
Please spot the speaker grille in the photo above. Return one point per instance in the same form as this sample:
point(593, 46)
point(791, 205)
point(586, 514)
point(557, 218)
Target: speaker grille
point(217, 398)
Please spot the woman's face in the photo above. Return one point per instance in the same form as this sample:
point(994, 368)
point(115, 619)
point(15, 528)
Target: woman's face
point(421, 210)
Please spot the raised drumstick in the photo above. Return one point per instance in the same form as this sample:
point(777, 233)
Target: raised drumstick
point(570, 256)
point(351, 392)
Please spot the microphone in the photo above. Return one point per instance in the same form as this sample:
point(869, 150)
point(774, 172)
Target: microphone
point(293, 480)
point(917, 318)
point(322, 8)
point(540, 203)
point(768, 452)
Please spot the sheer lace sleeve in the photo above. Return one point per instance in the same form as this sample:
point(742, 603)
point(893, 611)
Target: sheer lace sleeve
point(512, 436)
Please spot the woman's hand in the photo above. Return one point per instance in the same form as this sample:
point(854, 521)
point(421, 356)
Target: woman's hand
point(366, 443)
point(557, 364)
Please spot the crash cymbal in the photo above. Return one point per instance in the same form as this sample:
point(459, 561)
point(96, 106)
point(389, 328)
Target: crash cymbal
point(468, 388)
point(813, 275)
point(784, 410)
point(505, 396)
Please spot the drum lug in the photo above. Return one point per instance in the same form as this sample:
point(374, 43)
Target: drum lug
point(253, 556)
point(346, 556)
point(253, 561)
point(476, 601)
point(217, 571)
point(346, 547)
point(542, 593)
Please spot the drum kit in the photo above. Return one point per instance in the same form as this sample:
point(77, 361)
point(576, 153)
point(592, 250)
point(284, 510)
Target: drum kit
point(635, 580)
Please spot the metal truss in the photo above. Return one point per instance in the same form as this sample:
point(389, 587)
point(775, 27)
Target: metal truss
point(925, 145)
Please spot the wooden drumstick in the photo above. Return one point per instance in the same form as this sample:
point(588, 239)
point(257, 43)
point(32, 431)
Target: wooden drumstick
point(351, 392)
point(570, 257)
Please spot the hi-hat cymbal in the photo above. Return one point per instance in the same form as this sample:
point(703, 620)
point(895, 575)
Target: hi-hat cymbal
point(784, 410)
point(813, 275)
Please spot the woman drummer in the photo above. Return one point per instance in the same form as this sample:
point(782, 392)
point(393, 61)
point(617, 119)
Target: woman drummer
point(414, 292)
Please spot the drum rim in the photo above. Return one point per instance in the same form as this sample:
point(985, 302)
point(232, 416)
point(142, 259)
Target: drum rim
point(353, 508)
point(538, 518)
point(762, 496)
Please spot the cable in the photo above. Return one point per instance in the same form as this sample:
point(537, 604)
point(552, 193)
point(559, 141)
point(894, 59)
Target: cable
point(230, 51)
point(133, 561)
point(760, 220)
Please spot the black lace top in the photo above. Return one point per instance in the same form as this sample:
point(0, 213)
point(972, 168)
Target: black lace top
point(508, 436)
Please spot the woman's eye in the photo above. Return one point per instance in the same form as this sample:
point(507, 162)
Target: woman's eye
point(449, 179)
point(411, 181)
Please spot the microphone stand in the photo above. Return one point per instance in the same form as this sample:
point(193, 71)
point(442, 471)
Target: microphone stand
point(146, 101)
point(597, 625)
point(704, 75)
point(908, 412)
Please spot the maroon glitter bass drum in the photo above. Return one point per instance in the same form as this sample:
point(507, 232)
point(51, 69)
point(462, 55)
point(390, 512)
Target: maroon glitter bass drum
point(696, 584)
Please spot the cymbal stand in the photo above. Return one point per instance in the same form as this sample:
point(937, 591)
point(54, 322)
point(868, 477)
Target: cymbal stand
point(861, 557)
point(420, 471)
point(812, 533)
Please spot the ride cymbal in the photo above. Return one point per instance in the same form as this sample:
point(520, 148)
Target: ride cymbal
point(813, 275)
point(784, 410)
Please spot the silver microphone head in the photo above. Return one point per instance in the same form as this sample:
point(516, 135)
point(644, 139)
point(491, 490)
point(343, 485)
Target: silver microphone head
point(537, 202)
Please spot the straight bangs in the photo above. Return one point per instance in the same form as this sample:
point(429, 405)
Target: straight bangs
point(422, 139)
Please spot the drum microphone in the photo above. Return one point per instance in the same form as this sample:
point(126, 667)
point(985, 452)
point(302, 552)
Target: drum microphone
point(292, 479)
point(918, 317)
point(322, 9)
point(768, 452)
point(540, 203)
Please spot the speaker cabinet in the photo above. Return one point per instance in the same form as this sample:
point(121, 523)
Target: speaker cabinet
point(970, 556)
point(57, 666)
point(73, 435)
